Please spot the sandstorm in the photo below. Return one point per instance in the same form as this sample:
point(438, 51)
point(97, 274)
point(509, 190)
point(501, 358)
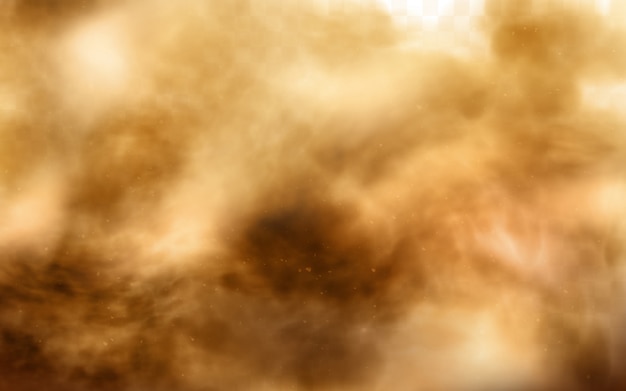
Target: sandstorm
point(237, 195)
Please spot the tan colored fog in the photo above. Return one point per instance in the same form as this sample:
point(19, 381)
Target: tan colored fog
point(212, 195)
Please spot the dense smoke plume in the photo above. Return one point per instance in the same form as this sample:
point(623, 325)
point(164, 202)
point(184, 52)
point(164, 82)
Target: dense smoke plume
point(207, 195)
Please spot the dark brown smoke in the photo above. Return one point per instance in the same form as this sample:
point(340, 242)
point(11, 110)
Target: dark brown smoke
point(238, 195)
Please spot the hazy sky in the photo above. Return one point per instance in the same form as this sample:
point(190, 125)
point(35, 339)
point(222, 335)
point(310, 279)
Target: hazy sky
point(236, 195)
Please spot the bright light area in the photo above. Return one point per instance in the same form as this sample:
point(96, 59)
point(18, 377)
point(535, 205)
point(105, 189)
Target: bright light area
point(489, 355)
point(95, 59)
point(455, 14)
point(435, 14)
point(98, 54)
point(608, 96)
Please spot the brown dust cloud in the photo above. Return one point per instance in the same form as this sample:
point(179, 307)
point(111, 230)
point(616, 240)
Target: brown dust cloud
point(211, 195)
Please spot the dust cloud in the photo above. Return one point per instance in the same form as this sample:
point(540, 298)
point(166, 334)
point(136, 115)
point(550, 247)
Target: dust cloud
point(237, 195)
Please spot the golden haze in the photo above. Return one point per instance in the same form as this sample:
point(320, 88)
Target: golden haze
point(239, 195)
